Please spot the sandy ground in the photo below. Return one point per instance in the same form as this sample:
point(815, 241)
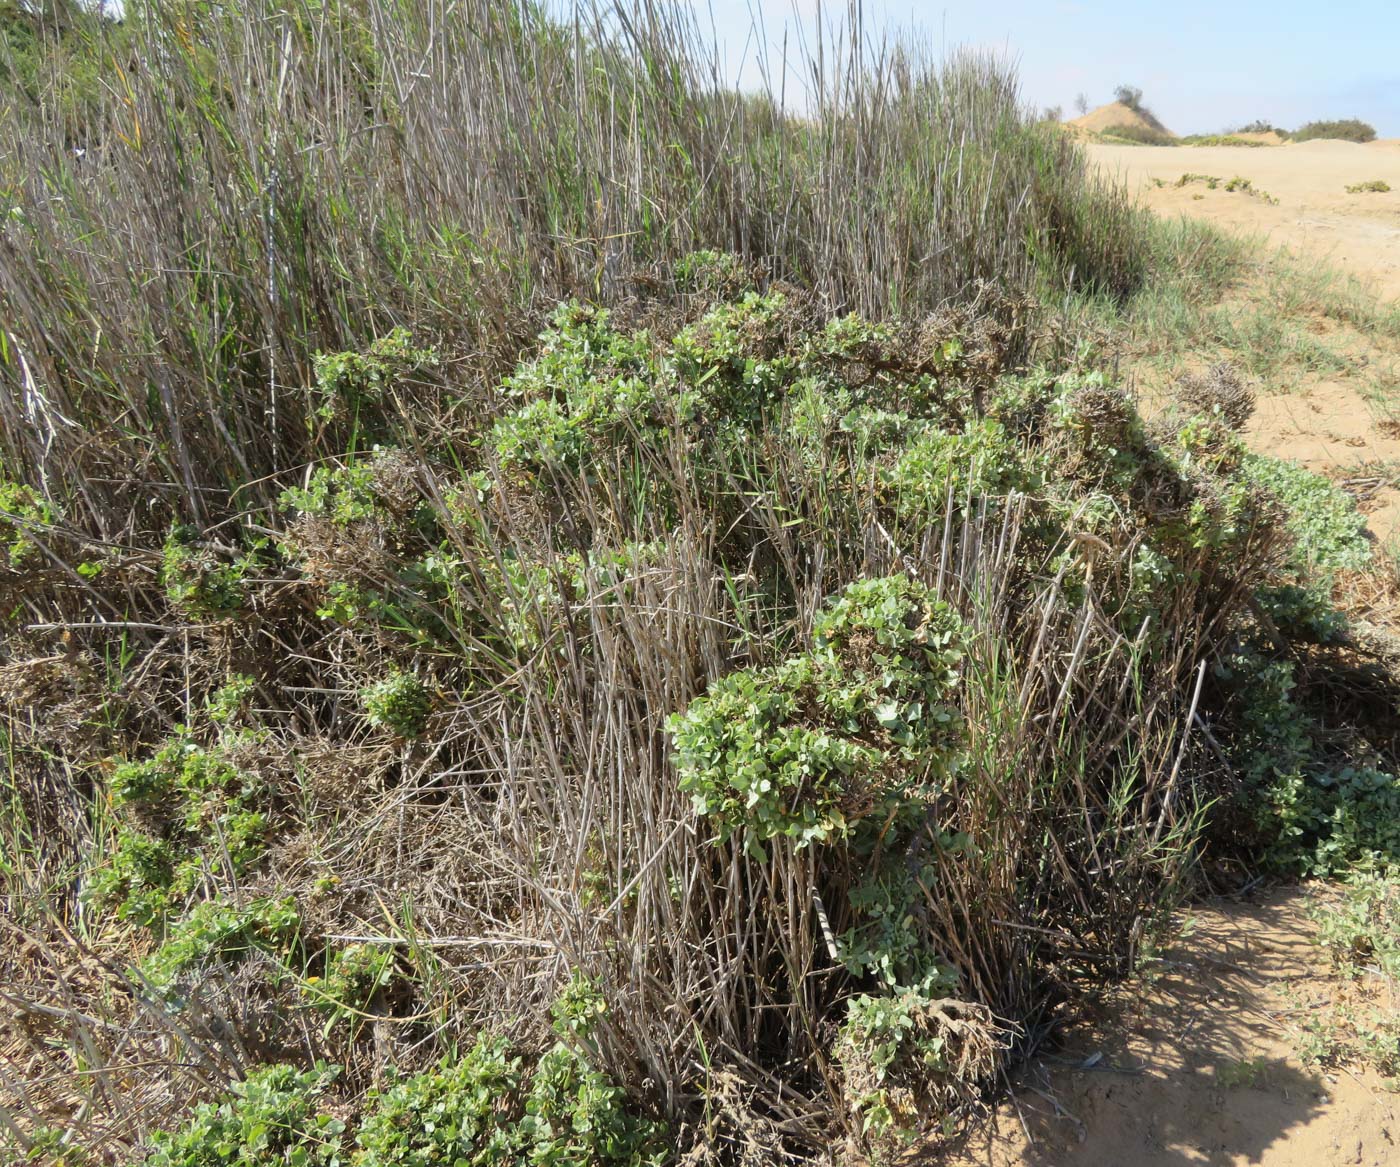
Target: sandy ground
point(1199, 1065)
point(1324, 423)
point(1331, 429)
point(1358, 232)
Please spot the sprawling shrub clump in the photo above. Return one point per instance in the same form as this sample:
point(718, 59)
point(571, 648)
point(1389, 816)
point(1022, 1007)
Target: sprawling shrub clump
point(722, 687)
point(779, 656)
point(181, 811)
point(1346, 129)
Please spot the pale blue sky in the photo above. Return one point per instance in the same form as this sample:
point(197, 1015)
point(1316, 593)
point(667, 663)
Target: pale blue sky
point(1202, 64)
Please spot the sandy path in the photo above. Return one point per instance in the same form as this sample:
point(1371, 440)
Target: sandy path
point(1199, 1065)
point(1358, 232)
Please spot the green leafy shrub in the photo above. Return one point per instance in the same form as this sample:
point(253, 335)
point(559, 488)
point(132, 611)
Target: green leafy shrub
point(380, 487)
point(54, 1147)
point(366, 535)
point(20, 508)
point(575, 1114)
point(1362, 926)
point(184, 789)
point(903, 1051)
point(465, 1110)
point(736, 360)
point(491, 1106)
point(185, 810)
point(485, 1108)
point(1327, 534)
point(1361, 929)
point(347, 381)
point(354, 976)
point(202, 580)
point(215, 932)
point(1315, 813)
point(718, 274)
point(593, 389)
point(400, 702)
point(807, 747)
point(589, 386)
point(887, 943)
point(137, 880)
point(277, 1116)
point(1245, 186)
point(1371, 186)
point(1240, 1075)
point(1235, 185)
point(229, 703)
point(980, 462)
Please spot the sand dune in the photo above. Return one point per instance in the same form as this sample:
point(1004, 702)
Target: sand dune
point(1314, 214)
point(1116, 115)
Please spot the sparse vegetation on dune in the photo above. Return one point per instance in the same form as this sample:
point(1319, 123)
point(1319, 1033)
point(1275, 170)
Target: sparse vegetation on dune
point(615, 628)
point(1138, 135)
point(1260, 126)
point(1219, 140)
point(1344, 129)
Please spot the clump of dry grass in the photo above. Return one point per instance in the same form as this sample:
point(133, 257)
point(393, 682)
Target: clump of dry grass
point(1219, 391)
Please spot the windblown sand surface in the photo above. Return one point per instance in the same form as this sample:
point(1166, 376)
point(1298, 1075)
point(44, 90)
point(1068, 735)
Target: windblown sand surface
point(1322, 421)
point(1358, 232)
point(1198, 1065)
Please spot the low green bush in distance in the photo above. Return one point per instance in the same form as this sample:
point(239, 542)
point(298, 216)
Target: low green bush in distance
point(1371, 186)
point(1218, 140)
point(1260, 126)
point(1232, 185)
point(1344, 129)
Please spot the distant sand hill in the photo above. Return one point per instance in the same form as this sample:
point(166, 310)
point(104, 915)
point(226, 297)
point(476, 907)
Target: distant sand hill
point(1116, 115)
